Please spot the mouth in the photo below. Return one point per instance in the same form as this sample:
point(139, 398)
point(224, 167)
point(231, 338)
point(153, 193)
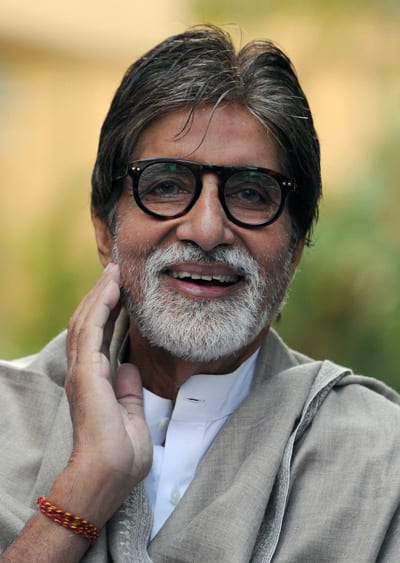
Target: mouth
point(224, 280)
point(203, 281)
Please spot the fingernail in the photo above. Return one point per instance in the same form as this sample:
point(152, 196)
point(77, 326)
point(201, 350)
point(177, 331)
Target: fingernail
point(110, 266)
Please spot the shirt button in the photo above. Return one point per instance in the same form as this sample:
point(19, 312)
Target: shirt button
point(175, 497)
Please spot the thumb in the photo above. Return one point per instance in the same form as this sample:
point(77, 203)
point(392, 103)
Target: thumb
point(129, 390)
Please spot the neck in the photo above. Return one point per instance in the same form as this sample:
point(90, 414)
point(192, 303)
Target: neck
point(164, 374)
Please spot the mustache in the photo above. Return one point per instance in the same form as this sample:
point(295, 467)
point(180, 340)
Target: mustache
point(238, 259)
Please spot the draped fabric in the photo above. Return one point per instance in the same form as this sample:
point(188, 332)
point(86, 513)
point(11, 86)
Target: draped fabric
point(306, 469)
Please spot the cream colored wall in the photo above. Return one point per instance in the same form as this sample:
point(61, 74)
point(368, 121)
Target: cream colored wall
point(104, 29)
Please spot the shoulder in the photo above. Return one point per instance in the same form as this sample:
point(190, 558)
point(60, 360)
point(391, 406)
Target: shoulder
point(350, 396)
point(346, 467)
point(33, 383)
point(358, 416)
point(358, 401)
point(356, 432)
point(47, 366)
point(30, 391)
point(361, 419)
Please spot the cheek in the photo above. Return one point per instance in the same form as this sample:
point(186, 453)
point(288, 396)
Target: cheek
point(131, 263)
point(268, 247)
point(138, 230)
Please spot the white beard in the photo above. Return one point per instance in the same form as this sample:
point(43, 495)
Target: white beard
point(201, 330)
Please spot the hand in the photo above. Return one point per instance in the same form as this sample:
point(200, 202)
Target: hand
point(112, 445)
point(111, 438)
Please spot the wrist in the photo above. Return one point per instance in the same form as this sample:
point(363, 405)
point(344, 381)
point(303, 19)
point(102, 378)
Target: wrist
point(85, 488)
point(79, 526)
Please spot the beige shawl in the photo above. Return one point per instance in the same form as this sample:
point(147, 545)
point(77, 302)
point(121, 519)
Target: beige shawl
point(307, 469)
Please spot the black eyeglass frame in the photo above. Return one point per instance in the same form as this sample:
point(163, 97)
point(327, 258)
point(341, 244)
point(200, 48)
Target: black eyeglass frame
point(223, 173)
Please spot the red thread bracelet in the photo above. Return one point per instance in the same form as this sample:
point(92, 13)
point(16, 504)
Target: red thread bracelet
point(75, 523)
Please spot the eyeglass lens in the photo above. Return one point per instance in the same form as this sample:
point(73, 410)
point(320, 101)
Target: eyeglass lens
point(168, 189)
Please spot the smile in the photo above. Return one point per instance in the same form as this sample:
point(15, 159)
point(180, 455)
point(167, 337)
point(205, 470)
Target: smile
point(204, 278)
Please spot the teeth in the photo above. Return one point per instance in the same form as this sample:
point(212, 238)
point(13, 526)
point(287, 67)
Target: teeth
point(221, 279)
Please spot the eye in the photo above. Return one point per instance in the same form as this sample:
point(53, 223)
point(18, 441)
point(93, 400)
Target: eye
point(164, 188)
point(250, 195)
point(252, 190)
point(162, 181)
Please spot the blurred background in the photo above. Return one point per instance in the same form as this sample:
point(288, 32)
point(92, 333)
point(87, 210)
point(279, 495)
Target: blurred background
point(59, 66)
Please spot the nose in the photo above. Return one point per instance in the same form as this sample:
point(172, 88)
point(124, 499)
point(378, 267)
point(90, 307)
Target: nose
point(206, 224)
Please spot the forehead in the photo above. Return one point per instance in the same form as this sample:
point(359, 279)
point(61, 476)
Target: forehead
point(227, 135)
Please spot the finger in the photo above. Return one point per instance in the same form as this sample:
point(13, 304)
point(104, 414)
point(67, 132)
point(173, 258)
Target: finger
point(129, 393)
point(111, 273)
point(129, 390)
point(87, 325)
point(88, 340)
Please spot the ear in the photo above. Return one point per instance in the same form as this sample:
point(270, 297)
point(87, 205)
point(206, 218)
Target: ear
point(104, 239)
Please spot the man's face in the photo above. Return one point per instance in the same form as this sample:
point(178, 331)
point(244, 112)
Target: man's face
point(200, 286)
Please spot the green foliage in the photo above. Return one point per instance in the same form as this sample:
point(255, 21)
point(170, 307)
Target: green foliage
point(345, 301)
point(54, 265)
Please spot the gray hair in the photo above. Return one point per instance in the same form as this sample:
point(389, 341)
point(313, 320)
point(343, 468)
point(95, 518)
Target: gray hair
point(201, 67)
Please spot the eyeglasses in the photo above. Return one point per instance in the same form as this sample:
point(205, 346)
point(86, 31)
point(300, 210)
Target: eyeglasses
point(250, 196)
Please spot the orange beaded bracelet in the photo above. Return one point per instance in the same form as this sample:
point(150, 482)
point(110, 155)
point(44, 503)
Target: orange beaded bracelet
point(68, 520)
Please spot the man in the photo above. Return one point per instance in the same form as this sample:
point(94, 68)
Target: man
point(205, 191)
